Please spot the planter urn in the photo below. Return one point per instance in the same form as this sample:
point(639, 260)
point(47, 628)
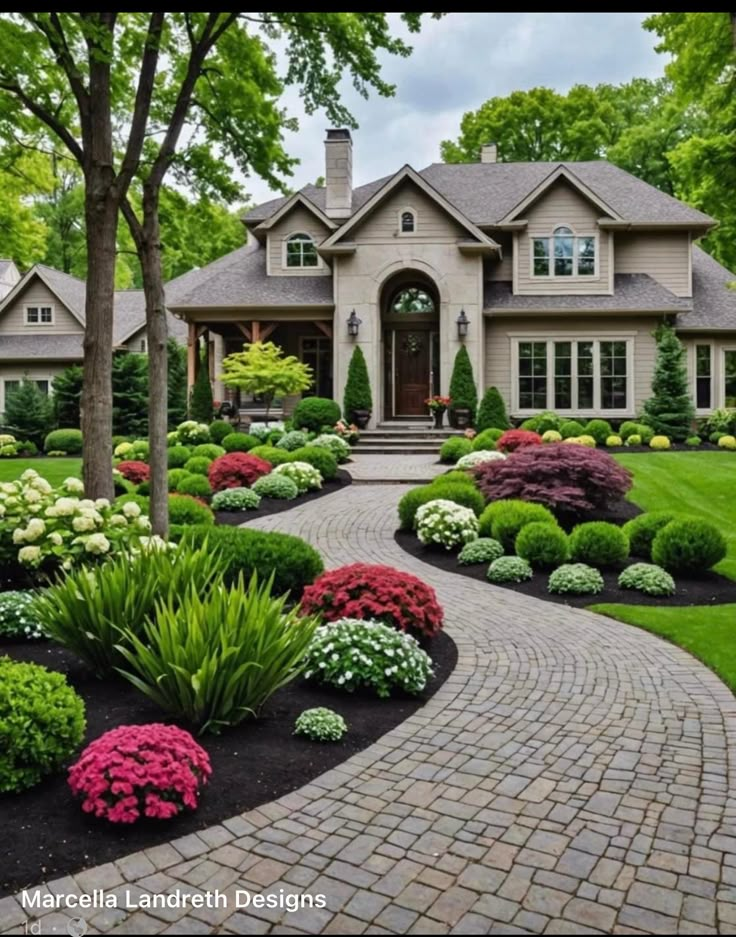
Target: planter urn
point(460, 417)
point(439, 416)
point(360, 418)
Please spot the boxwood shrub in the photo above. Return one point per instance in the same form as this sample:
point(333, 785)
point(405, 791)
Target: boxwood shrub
point(66, 440)
point(239, 442)
point(456, 476)
point(315, 412)
point(195, 485)
point(322, 459)
point(198, 465)
point(219, 429)
point(487, 439)
point(600, 430)
point(571, 428)
point(454, 448)
point(599, 544)
point(208, 450)
point(689, 546)
point(460, 493)
point(175, 475)
point(177, 456)
point(271, 454)
point(642, 530)
point(185, 510)
point(503, 520)
point(543, 545)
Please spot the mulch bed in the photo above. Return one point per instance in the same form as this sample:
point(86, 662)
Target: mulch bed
point(277, 505)
point(253, 763)
point(709, 589)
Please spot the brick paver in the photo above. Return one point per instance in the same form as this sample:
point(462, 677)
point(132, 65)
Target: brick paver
point(367, 468)
point(571, 776)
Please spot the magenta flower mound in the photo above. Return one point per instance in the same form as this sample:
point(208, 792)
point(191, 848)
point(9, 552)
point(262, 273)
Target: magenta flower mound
point(150, 770)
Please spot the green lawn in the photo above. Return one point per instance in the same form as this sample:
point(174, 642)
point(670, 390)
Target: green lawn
point(53, 470)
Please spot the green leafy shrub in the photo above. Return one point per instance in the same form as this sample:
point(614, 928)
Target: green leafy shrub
point(320, 725)
point(177, 456)
point(322, 459)
point(305, 476)
point(455, 448)
point(613, 440)
point(239, 442)
point(693, 441)
point(503, 520)
point(460, 493)
point(645, 432)
point(208, 450)
point(336, 445)
point(647, 578)
point(599, 544)
point(198, 465)
point(271, 454)
point(571, 428)
point(351, 654)
point(530, 424)
point(276, 486)
point(548, 422)
point(185, 510)
point(195, 485)
point(575, 579)
point(492, 413)
point(41, 723)
point(689, 546)
point(295, 439)
point(633, 440)
point(509, 569)
point(660, 443)
point(600, 430)
point(174, 476)
point(715, 437)
point(313, 413)
point(235, 499)
point(357, 394)
point(552, 435)
point(627, 428)
point(70, 440)
point(215, 660)
point(482, 550)
point(486, 439)
point(219, 429)
point(543, 545)
point(18, 618)
point(458, 476)
point(446, 523)
point(463, 391)
point(725, 442)
point(642, 530)
point(201, 405)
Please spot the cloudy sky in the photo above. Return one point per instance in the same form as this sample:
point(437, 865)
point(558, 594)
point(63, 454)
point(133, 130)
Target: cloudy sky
point(459, 62)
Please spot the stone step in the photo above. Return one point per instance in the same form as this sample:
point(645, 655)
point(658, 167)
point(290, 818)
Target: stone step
point(389, 449)
point(410, 433)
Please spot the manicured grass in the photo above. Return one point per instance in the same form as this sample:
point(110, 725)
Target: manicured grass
point(697, 483)
point(708, 632)
point(53, 470)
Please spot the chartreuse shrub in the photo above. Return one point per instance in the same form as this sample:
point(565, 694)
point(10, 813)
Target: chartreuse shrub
point(198, 465)
point(542, 544)
point(459, 492)
point(693, 441)
point(642, 530)
point(599, 544)
point(688, 546)
point(196, 486)
point(647, 578)
point(320, 725)
point(67, 440)
point(509, 569)
point(352, 654)
point(313, 413)
point(614, 440)
point(178, 456)
point(208, 450)
point(322, 459)
point(660, 442)
point(235, 499)
point(727, 442)
point(216, 659)
point(633, 440)
point(446, 524)
point(503, 520)
point(575, 579)
point(219, 429)
point(455, 448)
point(41, 723)
point(482, 550)
point(551, 435)
point(458, 476)
point(487, 439)
point(18, 618)
point(276, 486)
point(492, 413)
point(600, 430)
point(239, 442)
point(271, 454)
point(305, 476)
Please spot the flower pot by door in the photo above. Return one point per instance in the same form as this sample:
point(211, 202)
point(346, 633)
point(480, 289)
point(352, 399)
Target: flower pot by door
point(360, 418)
point(460, 417)
point(439, 416)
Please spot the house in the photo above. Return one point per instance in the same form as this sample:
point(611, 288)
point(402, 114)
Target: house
point(42, 325)
point(553, 275)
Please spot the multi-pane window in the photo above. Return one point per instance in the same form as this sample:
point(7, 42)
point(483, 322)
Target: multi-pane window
point(575, 375)
point(39, 315)
point(613, 368)
point(585, 376)
point(301, 251)
point(729, 375)
point(565, 254)
point(703, 377)
point(533, 375)
point(408, 222)
point(563, 375)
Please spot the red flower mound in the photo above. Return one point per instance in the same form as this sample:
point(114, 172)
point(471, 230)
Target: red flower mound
point(570, 480)
point(236, 470)
point(131, 772)
point(381, 593)
point(135, 472)
point(514, 439)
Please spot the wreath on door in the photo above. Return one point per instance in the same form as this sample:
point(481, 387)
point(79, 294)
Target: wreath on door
point(412, 344)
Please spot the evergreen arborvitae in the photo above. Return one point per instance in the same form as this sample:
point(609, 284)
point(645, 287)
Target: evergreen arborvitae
point(67, 387)
point(492, 411)
point(129, 394)
point(462, 384)
point(28, 412)
point(177, 403)
point(358, 386)
point(201, 403)
point(669, 411)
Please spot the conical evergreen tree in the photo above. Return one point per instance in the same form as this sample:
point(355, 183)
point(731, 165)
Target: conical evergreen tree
point(201, 403)
point(357, 387)
point(462, 384)
point(28, 411)
point(492, 411)
point(669, 411)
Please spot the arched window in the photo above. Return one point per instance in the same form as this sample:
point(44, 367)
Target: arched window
point(565, 254)
point(412, 300)
point(408, 222)
point(301, 251)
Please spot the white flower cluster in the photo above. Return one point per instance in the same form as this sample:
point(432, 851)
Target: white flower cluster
point(337, 446)
point(478, 458)
point(261, 430)
point(191, 433)
point(446, 523)
point(16, 616)
point(8, 445)
point(320, 725)
point(304, 475)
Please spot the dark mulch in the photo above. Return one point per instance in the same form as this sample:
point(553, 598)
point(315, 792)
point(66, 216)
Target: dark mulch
point(277, 505)
point(709, 589)
point(252, 764)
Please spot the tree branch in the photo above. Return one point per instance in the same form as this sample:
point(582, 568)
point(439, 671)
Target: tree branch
point(46, 117)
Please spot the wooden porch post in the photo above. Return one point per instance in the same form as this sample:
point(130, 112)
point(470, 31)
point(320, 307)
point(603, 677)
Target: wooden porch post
point(192, 345)
point(255, 328)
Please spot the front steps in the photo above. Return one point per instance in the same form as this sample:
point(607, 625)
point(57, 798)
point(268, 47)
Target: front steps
point(395, 437)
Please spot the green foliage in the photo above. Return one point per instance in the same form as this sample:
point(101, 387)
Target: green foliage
point(178, 456)
point(647, 578)
point(185, 510)
point(543, 545)
point(177, 380)
point(492, 413)
point(486, 439)
point(68, 440)
point(235, 499)
point(271, 454)
point(41, 723)
point(628, 428)
point(571, 429)
point(600, 430)
point(195, 485)
point(201, 405)
point(503, 520)
point(198, 465)
point(322, 459)
point(29, 410)
point(295, 439)
point(508, 569)
point(689, 546)
point(357, 387)
point(575, 579)
point(459, 492)
point(175, 475)
point(693, 441)
point(280, 487)
point(17, 617)
point(445, 523)
point(305, 476)
point(458, 476)
point(455, 448)
point(334, 443)
point(239, 442)
point(215, 660)
point(263, 369)
point(66, 396)
point(320, 725)
point(463, 391)
point(208, 450)
point(219, 429)
point(313, 413)
point(669, 411)
point(642, 530)
point(129, 394)
point(599, 544)
point(482, 550)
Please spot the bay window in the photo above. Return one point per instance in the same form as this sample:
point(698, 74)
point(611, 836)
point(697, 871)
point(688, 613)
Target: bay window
point(565, 254)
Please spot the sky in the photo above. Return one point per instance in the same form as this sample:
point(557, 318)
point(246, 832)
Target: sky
point(458, 63)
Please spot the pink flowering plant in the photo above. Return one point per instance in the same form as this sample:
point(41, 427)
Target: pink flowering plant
point(155, 771)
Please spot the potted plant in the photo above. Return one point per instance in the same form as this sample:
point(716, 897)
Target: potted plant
point(358, 402)
point(463, 391)
point(437, 405)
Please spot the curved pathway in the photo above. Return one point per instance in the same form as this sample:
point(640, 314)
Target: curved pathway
point(572, 776)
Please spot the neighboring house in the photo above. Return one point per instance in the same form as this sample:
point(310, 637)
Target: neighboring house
point(42, 326)
point(553, 275)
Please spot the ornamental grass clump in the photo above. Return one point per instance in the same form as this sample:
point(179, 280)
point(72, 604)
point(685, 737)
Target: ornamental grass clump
point(236, 499)
point(508, 569)
point(305, 476)
point(599, 544)
point(445, 523)
point(155, 771)
point(688, 545)
point(320, 725)
point(482, 550)
point(353, 654)
point(647, 578)
point(575, 579)
point(17, 616)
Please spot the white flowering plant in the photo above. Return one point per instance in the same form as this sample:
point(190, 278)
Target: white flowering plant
point(337, 446)
point(192, 433)
point(17, 618)
point(305, 476)
point(9, 445)
point(44, 528)
point(478, 458)
point(320, 725)
point(350, 654)
point(446, 523)
point(261, 430)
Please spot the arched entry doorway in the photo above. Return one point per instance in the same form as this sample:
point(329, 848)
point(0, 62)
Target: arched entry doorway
point(410, 315)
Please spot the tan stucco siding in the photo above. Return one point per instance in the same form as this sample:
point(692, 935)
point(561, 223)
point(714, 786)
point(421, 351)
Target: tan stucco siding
point(13, 319)
point(501, 333)
point(433, 224)
point(665, 257)
point(562, 205)
point(297, 221)
point(719, 344)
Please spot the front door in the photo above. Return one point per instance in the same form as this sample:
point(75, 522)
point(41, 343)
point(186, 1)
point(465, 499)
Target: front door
point(412, 376)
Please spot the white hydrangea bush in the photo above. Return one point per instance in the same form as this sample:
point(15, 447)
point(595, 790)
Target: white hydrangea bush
point(478, 458)
point(305, 476)
point(261, 430)
point(446, 523)
point(337, 446)
point(192, 433)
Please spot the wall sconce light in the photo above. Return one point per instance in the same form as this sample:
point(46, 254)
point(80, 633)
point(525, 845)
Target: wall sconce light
point(462, 324)
point(354, 324)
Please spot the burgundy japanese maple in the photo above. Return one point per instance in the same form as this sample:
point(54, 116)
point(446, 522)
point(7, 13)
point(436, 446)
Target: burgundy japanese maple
point(514, 439)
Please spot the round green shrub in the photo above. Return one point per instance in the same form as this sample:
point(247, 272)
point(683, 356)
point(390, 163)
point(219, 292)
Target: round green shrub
point(628, 428)
point(542, 545)
point(575, 579)
point(642, 530)
point(140, 449)
point(235, 499)
point(454, 448)
point(548, 421)
point(613, 440)
point(689, 546)
point(208, 450)
point(693, 441)
point(646, 432)
point(41, 723)
point(454, 476)
point(509, 569)
point(445, 523)
point(198, 465)
point(271, 454)
point(716, 436)
point(185, 510)
point(599, 544)
point(219, 429)
point(315, 412)
point(195, 485)
point(320, 725)
point(239, 442)
point(336, 445)
point(296, 439)
point(177, 456)
point(647, 578)
point(600, 430)
point(503, 520)
point(70, 440)
point(175, 475)
point(552, 435)
point(486, 439)
point(634, 439)
point(322, 459)
point(482, 550)
point(530, 424)
point(460, 493)
point(276, 486)
point(17, 618)
point(571, 428)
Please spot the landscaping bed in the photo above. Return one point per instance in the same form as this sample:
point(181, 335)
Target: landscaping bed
point(276, 505)
point(252, 764)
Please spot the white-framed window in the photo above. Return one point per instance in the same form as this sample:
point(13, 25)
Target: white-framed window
point(301, 251)
point(573, 375)
point(407, 221)
point(142, 347)
point(704, 377)
point(564, 254)
point(729, 378)
point(39, 315)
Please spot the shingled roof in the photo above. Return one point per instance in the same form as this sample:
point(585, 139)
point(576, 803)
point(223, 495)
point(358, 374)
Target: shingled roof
point(714, 301)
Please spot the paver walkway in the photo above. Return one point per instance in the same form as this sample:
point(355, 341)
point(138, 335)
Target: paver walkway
point(572, 776)
point(392, 469)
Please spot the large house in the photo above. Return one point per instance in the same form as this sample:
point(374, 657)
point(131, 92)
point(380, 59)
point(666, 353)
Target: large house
point(553, 275)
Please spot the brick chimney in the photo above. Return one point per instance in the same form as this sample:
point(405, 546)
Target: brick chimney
point(339, 173)
point(488, 153)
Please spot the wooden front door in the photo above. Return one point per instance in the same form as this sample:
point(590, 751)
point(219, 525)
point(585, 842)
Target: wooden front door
point(412, 378)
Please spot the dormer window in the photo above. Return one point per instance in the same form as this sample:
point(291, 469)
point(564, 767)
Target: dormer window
point(565, 254)
point(39, 315)
point(408, 222)
point(301, 251)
